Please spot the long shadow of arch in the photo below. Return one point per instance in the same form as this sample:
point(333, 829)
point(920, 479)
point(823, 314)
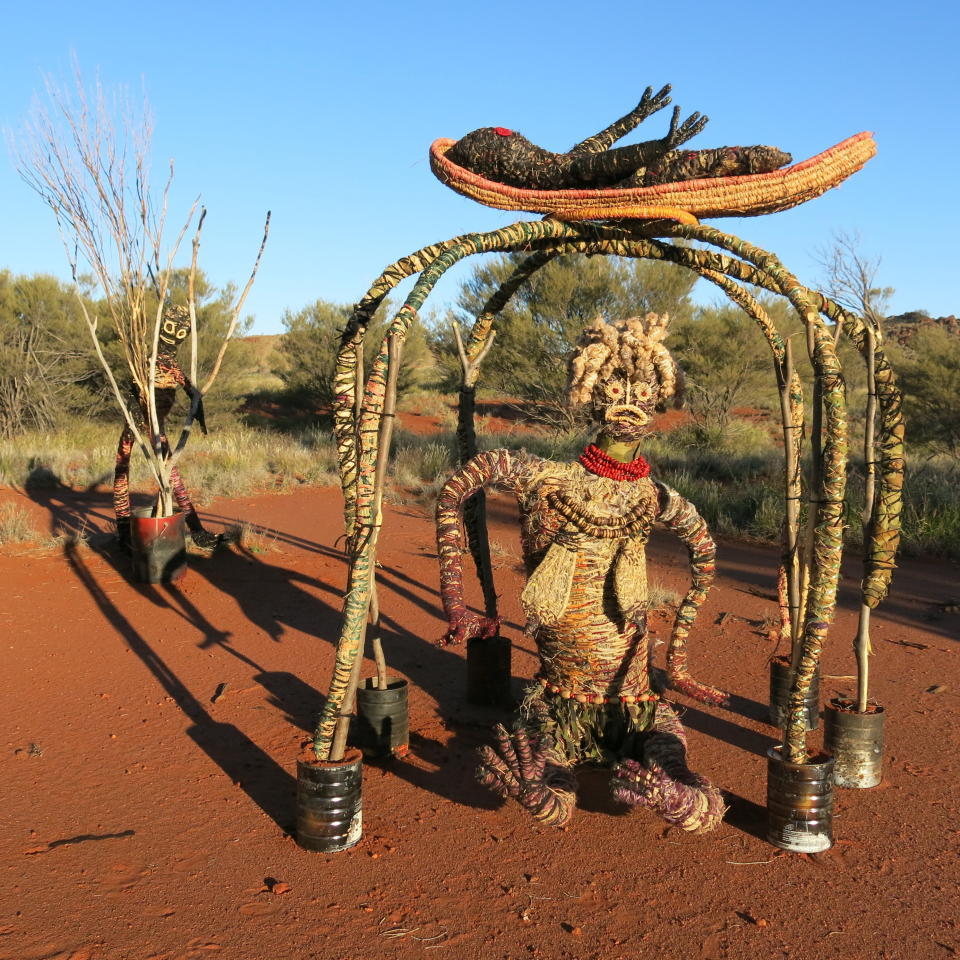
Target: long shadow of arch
point(267, 784)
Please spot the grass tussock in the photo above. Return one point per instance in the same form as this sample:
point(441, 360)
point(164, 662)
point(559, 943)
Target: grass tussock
point(734, 478)
point(16, 526)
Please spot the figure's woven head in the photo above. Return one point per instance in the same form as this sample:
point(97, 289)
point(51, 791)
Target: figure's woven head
point(623, 372)
point(175, 325)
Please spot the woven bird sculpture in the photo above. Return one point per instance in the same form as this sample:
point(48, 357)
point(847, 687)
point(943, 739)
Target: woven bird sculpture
point(584, 528)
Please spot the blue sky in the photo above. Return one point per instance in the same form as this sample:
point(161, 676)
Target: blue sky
point(323, 113)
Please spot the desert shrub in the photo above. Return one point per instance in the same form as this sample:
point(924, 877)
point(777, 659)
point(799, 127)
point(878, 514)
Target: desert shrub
point(47, 371)
point(928, 370)
point(309, 351)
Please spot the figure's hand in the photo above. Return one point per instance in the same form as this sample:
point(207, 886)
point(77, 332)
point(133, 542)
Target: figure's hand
point(680, 133)
point(521, 768)
point(638, 785)
point(651, 102)
point(701, 692)
point(200, 418)
point(465, 625)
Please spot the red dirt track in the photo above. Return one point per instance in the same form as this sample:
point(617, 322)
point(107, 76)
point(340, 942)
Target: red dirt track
point(144, 819)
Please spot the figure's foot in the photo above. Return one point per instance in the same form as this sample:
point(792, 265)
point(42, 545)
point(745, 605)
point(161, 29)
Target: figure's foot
point(664, 783)
point(696, 806)
point(204, 540)
point(530, 772)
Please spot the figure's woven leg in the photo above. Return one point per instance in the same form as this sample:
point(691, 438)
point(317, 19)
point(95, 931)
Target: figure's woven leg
point(663, 781)
point(200, 537)
point(121, 487)
point(530, 771)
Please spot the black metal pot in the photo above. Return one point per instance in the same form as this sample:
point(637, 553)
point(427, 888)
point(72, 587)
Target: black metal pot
point(329, 808)
point(799, 803)
point(780, 695)
point(158, 546)
point(856, 742)
point(382, 725)
point(489, 671)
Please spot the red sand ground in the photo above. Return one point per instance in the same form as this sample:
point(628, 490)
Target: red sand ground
point(144, 820)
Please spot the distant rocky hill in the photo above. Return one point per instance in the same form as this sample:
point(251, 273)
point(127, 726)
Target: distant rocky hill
point(904, 326)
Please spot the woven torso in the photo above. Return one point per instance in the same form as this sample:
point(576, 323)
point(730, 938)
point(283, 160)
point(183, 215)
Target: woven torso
point(583, 541)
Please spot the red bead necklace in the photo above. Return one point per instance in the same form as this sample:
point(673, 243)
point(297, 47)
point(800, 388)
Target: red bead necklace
point(603, 465)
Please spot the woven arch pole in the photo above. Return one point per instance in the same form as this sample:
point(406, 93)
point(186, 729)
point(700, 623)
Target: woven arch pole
point(358, 442)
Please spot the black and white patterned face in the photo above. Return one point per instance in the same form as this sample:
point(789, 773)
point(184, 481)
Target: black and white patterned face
point(175, 325)
point(625, 409)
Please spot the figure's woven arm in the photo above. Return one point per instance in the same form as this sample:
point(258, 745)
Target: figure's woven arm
point(493, 467)
point(192, 391)
point(680, 516)
point(649, 104)
point(612, 166)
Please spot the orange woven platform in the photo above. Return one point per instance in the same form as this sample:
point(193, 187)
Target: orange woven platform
point(687, 201)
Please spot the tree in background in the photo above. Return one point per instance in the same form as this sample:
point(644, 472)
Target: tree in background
point(727, 364)
point(309, 347)
point(928, 368)
point(87, 157)
point(45, 362)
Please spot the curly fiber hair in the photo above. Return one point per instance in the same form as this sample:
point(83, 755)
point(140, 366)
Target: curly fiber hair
point(632, 349)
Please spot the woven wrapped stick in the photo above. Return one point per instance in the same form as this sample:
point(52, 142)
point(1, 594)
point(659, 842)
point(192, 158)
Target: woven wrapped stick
point(373, 452)
point(861, 646)
point(791, 415)
point(881, 548)
point(363, 548)
point(347, 386)
point(828, 531)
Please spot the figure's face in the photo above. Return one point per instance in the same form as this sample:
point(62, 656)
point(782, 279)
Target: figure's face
point(624, 409)
point(175, 326)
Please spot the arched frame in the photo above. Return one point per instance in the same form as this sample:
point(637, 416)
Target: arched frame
point(363, 421)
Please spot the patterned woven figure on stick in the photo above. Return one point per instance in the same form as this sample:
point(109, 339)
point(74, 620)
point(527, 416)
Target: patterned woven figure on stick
point(169, 378)
point(584, 529)
point(505, 156)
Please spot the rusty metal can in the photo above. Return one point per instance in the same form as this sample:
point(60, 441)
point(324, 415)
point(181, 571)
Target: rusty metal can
point(158, 547)
point(329, 807)
point(799, 803)
point(382, 725)
point(856, 742)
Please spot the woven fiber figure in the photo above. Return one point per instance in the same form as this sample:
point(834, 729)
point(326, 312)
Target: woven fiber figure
point(169, 378)
point(584, 528)
point(508, 157)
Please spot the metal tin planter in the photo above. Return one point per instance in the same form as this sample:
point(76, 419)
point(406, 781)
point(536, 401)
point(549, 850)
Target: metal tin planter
point(158, 547)
point(780, 695)
point(489, 671)
point(799, 803)
point(856, 742)
point(329, 808)
point(382, 723)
